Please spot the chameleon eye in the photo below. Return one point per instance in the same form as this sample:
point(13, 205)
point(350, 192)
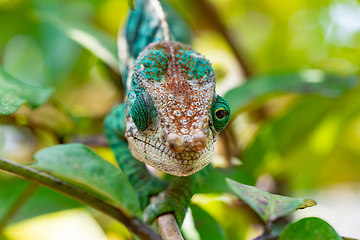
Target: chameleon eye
point(220, 111)
point(143, 111)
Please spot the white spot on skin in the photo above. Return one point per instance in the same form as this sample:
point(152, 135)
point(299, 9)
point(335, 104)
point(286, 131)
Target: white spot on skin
point(184, 130)
point(184, 121)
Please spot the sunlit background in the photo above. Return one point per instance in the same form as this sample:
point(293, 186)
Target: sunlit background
point(291, 144)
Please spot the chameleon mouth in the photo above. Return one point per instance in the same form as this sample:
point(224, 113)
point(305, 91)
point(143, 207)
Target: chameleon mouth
point(186, 156)
point(159, 156)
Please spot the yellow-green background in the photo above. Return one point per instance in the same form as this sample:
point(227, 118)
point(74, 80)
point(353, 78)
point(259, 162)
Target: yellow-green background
point(295, 145)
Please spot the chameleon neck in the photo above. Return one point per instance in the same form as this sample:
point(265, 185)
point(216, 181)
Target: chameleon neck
point(148, 24)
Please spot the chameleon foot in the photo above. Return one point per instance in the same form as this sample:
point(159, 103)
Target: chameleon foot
point(166, 202)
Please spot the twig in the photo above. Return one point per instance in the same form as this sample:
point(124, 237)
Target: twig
point(168, 227)
point(215, 20)
point(226, 146)
point(266, 237)
point(24, 196)
point(268, 227)
point(92, 140)
point(132, 223)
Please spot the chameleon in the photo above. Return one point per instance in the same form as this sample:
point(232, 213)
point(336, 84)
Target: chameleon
point(171, 116)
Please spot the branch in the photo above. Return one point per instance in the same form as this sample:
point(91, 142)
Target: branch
point(132, 223)
point(168, 227)
point(92, 140)
point(215, 20)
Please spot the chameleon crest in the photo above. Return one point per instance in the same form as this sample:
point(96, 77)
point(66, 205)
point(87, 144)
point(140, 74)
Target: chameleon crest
point(173, 115)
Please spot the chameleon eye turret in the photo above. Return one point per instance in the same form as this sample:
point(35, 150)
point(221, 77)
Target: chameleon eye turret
point(220, 113)
point(143, 111)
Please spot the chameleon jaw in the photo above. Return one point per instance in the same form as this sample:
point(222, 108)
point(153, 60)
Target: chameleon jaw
point(159, 156)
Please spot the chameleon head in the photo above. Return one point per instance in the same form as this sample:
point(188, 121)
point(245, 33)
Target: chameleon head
point(172, 111)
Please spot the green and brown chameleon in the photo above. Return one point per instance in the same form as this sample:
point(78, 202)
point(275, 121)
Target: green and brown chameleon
point(172, 115)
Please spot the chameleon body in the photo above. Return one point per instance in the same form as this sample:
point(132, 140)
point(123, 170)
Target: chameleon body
point(171, 117)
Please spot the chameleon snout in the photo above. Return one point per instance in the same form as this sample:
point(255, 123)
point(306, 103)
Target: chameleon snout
point(198, 141)
point(177, 143)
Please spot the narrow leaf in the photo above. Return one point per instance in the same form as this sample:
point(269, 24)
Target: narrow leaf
point(96, 41)
point(14, 93)
point(79, 165)
point(23, 59)
point(303, 82)
point(309, 229)
point(268, 206)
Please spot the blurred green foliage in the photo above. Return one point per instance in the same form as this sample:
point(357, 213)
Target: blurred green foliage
point(297, 121)
point(79, 165)
point(311, 226)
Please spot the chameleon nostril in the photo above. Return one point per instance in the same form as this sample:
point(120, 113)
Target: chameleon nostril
point(198, 141)
point(175, 143)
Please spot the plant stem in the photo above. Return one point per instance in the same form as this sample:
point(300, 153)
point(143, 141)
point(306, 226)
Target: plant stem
point(169, 230)
point(132, 223)
point(24, 196)
point(215, 20)
point(268, 227)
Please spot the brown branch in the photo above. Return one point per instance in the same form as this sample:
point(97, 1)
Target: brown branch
point(92, 140)
point(168, 227)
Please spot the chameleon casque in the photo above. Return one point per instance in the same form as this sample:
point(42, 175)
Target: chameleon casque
point(171, 116)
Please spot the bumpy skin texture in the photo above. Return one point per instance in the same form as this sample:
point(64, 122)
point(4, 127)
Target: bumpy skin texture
point(180, 84)
point(171, 117)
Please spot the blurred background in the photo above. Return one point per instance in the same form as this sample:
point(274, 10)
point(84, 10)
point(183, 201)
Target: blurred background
point(287, 140)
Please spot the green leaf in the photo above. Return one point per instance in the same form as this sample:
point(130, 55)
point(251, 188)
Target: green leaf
point(43, 201)
point(23, 59)
point(309, 229)
point(216, 179)
point(132, 4)
point(303, 82)
point(80, 166)
point(268, 206)
point(14, 93)
point(206, 225)
point(96, 41)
